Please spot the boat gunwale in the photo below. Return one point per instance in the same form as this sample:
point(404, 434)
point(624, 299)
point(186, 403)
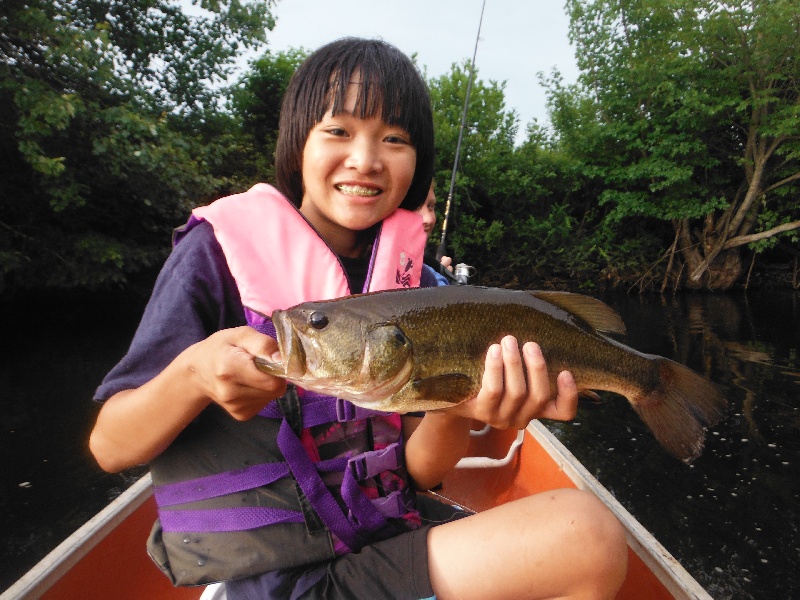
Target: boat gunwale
point(42, 576)
point(678, 581)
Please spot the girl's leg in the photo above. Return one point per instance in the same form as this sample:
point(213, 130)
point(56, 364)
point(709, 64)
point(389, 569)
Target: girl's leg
point(557, 544)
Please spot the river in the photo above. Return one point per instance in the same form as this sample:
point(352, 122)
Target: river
point(731, 518)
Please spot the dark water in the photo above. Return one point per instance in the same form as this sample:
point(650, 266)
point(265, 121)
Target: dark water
point(732, 518)
point(53, 356)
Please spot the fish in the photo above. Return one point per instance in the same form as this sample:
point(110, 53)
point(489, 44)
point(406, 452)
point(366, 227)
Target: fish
point(424, 349)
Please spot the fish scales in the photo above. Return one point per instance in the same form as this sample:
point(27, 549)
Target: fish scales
point(424, 349)
point(602, 361)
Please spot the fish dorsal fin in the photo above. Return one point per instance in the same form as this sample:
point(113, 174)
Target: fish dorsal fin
point(597, 314)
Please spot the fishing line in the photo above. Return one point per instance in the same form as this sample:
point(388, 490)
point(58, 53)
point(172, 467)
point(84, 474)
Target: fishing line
point(441, 250)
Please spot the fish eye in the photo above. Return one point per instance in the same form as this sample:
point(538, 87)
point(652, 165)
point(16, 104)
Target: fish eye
point(400, 337)
point(318, 320)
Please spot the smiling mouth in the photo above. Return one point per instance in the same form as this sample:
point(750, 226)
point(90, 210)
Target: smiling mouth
point(358, 190)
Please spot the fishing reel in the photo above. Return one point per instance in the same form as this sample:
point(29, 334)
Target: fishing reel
point(463, 272)
point(459, 276)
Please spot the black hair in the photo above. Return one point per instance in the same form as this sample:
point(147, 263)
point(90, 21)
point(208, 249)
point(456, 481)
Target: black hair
point(389, 82)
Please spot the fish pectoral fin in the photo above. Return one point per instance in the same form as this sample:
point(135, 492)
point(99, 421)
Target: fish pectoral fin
point(451, 388)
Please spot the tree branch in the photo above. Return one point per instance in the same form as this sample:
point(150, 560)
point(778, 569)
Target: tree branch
point(747, 239)
point(782, 182)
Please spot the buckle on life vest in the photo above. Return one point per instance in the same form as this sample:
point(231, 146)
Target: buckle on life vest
point(371, 463)
point(396, 504)
point(345, 411)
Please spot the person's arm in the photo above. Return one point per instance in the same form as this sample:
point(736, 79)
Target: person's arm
point(440, 440)
point(189, 350)
point(134, 426)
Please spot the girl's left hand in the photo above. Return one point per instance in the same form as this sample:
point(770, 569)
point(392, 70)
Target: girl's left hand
point(506, 401)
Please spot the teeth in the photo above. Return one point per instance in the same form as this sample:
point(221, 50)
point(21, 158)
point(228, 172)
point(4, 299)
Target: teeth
point(357, 190)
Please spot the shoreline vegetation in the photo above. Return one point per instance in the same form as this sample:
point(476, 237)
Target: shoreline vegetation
point(673, 163)
point(132, 298)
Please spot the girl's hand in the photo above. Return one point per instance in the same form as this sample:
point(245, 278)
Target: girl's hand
point(136, 425)
point(222, 367)
point(506, 400)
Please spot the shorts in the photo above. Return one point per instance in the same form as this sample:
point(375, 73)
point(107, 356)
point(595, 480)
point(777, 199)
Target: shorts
point(395, 568)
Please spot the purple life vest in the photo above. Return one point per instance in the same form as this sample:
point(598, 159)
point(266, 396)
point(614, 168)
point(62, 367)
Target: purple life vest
point(325, 477)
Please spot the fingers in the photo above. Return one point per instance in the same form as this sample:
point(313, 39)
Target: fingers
point(224, 367)
point(492, 382)
point(538, 378)
point(565, 406)
point(516, 388)
point(255, 343)
point(514, 384)
point(502, 399)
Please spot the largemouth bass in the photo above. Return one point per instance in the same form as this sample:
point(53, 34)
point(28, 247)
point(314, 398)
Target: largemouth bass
point(424, 349)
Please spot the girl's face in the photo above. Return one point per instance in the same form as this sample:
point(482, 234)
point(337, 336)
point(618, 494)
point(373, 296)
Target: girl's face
point(356, 172)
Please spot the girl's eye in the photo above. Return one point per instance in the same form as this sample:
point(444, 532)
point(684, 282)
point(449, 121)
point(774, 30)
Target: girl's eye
point(397, 139)
point(336, 131)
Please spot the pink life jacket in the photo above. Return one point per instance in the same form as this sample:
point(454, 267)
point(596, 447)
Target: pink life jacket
point(278, 260)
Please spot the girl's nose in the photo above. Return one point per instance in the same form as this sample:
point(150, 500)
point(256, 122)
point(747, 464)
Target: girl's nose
point(364, 156)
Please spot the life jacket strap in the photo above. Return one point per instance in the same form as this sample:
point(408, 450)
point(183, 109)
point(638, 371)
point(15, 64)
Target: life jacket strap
point(218, 520)
point(220, 484)
point(261, 323)
point(362, 523)
point(319, 409)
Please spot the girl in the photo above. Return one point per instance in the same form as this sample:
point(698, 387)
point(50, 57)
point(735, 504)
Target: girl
point(286, 494)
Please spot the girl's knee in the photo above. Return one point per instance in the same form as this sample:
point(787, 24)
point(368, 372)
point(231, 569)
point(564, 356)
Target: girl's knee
point(601, 538)
point(593, 536)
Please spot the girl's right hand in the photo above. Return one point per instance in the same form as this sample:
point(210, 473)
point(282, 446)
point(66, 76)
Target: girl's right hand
point(222, 366)
point(136, 425)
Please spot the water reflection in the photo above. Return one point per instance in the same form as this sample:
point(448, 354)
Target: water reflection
point(732, 517)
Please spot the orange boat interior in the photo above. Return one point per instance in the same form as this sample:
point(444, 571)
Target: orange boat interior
point(118, 567)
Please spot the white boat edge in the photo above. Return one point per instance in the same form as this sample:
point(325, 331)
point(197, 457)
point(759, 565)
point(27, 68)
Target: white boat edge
point(658, 559)
point(68, 553)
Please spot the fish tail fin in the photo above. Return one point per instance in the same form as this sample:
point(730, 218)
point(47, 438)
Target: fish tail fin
point(680, 410)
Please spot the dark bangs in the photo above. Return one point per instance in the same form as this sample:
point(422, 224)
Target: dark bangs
point(389, 83)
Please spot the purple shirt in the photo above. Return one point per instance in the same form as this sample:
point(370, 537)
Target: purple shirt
point(194, 296)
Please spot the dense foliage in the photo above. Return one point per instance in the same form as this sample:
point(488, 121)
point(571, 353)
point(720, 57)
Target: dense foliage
point(673, 161)
point(110, 128)
point(689, 113)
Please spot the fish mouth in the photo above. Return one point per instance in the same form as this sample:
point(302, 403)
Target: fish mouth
point(358, 190)
point(293, 354)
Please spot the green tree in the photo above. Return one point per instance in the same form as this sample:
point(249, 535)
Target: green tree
point(521, 215)
point(256, 101)
point(111, 123)
point(688, 111)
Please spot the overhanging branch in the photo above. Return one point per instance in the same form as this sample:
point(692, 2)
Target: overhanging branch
point(754, 237)
point(789, 179)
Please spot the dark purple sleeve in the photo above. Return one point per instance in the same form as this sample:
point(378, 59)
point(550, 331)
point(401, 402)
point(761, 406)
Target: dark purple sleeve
point(194, 296)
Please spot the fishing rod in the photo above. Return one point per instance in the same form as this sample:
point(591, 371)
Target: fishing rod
point(441, 250)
